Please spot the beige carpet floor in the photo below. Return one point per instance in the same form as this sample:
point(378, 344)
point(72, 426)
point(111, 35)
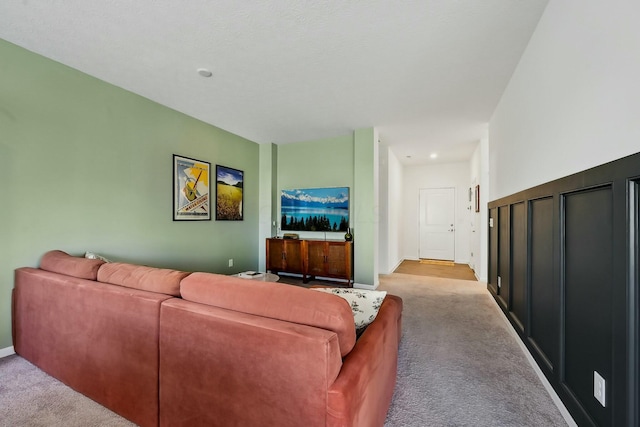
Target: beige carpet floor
point(458, 365)
point(29, 397)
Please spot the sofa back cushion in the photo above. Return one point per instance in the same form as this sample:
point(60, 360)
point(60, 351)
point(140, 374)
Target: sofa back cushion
point(274, 300)
point(63, 263)
point(159, 280)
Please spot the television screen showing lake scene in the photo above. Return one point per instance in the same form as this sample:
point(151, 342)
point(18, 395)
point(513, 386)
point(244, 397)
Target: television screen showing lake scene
point(315, 209)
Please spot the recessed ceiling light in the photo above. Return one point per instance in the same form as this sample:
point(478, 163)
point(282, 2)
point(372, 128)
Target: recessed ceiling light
point(204, 72)
point(433, 155)
point(408, 157)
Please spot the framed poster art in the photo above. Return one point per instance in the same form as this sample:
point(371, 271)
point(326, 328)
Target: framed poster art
point(191, 183)
point(229, 194)
point(315, 209)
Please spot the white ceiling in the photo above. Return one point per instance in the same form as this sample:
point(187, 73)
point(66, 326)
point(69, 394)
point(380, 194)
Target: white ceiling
point(427, 73)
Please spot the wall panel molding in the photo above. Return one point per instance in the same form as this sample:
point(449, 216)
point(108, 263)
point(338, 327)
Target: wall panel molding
point(492, 275)
point(633, 304)
point(587, 335)
point(504, 258)
point(519, 264)
point(543, 290)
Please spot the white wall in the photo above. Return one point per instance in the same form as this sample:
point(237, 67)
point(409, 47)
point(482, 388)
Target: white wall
point(574, 99)
point(390, 174)
point(474, 217)
point(395, 211)
point(478, 240)
point(383, 215)
point(456, 175)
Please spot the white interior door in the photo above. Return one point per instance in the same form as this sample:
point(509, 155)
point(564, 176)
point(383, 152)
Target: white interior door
point(437, 219)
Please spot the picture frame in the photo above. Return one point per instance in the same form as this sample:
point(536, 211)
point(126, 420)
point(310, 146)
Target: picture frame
point(315, 209)
point(191, 188)
point(477, 198)
point(229, 194)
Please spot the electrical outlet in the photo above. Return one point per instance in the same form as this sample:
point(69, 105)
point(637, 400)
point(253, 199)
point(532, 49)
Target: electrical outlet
point(599, 388)
point(231, 262)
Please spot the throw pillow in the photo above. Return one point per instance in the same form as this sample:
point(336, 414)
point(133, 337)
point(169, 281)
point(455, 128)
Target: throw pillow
point(364, 303)
point(91, 255)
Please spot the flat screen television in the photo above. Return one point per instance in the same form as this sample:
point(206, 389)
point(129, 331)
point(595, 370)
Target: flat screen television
point(315, 209)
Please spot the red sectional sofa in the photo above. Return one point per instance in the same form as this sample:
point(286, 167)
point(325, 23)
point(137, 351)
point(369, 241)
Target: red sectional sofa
point(168, 348)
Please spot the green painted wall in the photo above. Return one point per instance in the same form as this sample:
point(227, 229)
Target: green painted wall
point(365, 207)
point(267, 198)
point(319, 163)
point(86, 166)
point(346, 161)
point(314, 164)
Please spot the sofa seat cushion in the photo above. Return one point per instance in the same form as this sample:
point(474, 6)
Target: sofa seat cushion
point(63, 263)
point(159, 280)
point(275, 301)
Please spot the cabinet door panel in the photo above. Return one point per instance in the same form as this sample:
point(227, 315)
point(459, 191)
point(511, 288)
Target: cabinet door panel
point(293, 256)
point(275, 249)
point(337, 259)
point(316, 258)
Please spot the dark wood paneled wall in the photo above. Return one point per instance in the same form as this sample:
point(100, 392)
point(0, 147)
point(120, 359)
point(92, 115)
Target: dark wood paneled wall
point(564, 267)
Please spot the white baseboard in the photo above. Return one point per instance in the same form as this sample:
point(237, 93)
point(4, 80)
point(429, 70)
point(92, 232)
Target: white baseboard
point(8, 351)
point(396, 266)
point(545, 382)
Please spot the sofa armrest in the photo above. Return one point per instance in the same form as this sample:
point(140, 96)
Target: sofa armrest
point(223, 367)
point(99, 339)
point(361, 395)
